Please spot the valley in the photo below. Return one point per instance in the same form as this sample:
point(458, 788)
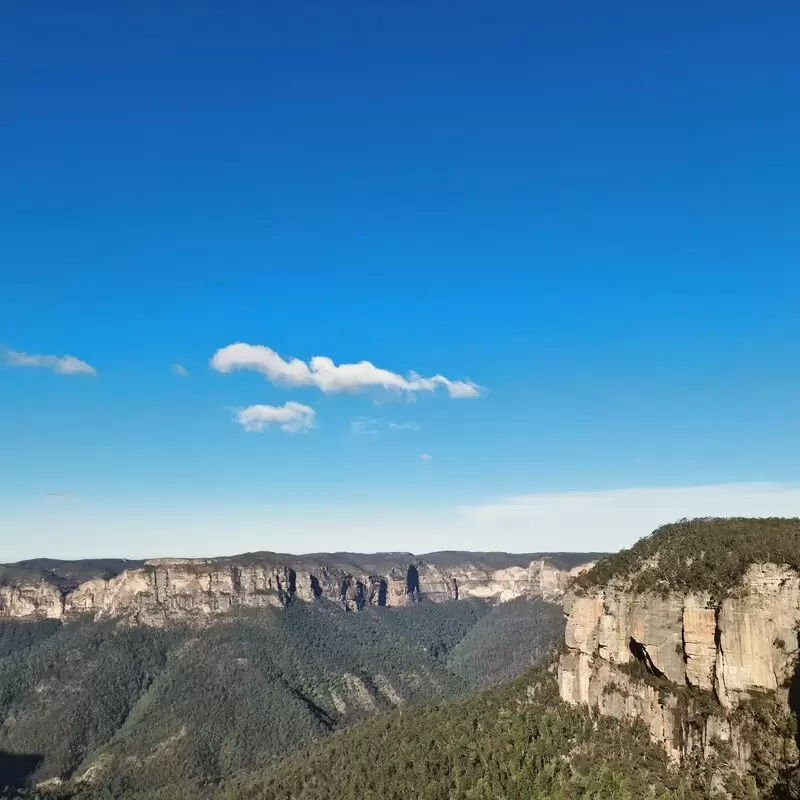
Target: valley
point(198, 677)
point(665, 671)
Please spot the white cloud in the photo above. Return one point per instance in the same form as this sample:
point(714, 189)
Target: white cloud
point(426, 457)
point(322, 373)
point(63, 365)
point(372, 426)
point(403, 426)
point(179, 369)
point(290, 417)
point(365, 426)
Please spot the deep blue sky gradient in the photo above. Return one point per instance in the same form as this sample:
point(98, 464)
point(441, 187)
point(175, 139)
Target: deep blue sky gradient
point(592, 210)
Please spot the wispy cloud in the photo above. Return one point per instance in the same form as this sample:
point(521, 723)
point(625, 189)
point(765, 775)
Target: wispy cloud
point(563, 521)
point(373, 426)
point(179, 369)
point(607, 520)
point(61, 496)
point(63, 365)
point(365, 426)
point(321, 372)
point(290, 417)
point(426, 457)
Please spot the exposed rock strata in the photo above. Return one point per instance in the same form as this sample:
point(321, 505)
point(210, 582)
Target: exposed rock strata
point(744, 644)
point(168, 589)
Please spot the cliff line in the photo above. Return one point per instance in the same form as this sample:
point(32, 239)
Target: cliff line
point(162, 590)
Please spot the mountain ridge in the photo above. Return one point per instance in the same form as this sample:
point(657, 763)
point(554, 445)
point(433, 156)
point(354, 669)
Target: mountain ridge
point(161, 590)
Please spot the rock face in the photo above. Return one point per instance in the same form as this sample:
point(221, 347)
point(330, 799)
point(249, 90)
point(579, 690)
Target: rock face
point(178, 589)
point(697, 651)
point(31, 601)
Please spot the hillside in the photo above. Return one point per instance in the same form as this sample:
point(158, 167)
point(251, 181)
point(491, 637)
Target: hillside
point(140, 707)
point(516, 742)
point(677, 678)
point(503, 643)
point(679, 651)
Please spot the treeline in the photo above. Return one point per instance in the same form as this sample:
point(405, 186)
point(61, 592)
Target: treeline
point(699, 555)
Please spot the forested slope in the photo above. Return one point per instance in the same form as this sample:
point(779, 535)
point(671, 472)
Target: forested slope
point(131, 711)
point(503, 643)
point(516, 742)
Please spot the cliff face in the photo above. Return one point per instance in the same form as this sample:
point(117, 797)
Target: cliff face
point(175, 589)
point(661, 657)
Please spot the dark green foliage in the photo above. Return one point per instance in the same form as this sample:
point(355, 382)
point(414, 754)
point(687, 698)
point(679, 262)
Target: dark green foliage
point(17, 637)
point(770, 732)
point(437, 627)
point(167, 712)
point(508, 640)
point(258, 685)
point(222, 711)
point(67, 694)
point(517, 742)
point(699, 555)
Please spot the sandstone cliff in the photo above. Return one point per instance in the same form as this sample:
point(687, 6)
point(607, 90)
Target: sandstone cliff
point(178, 589)
point(684, 663)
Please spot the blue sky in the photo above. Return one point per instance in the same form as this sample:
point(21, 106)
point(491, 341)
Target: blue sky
point(591, 214)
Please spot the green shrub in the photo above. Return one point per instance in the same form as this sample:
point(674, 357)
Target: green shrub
point(700, 555)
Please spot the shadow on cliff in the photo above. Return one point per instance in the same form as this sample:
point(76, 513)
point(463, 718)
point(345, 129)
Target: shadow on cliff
point(361, 598)
point(794, 693)
point(15, 769)
point(789, 788)
point(383, 590)
point(639, 652)
point(412, 583)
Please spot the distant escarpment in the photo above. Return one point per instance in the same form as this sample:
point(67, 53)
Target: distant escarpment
point(160, 590)
point(694, 631)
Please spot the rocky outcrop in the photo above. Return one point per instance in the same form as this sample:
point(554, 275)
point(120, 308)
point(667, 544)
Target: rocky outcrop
point(25, 600)
point(171, 589)
point(655, 657)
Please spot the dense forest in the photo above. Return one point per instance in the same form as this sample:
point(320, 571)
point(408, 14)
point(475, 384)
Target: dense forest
point(699, 555)
point(505, 642)
point(516, 742)
point(182, 709)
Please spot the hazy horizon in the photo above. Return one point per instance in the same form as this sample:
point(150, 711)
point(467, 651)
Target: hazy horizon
point(557, 522)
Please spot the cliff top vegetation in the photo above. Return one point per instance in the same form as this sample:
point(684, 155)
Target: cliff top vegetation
point(707, 554)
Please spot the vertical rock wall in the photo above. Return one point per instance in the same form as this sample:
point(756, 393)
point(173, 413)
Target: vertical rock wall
point(745, 644)
point(166, 589)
